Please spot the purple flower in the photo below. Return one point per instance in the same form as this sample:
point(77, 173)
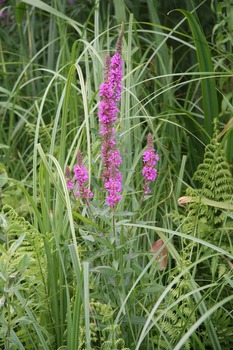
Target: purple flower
point(81, 174)
point(149, 158)
point(81, 179)
point(116, 75)
point(110, 93)
point(70, 185)
point(114, 187)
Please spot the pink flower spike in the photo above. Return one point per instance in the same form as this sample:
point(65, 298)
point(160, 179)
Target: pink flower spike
point(110, 94)
point(81, 179)
point(150, 158)
point(81, 176)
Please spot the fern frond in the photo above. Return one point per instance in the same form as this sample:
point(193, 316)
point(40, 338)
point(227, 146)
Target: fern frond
point(22, 264)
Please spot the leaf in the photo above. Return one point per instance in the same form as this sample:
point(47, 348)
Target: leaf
point(2, 276)
point(156, 288)
point(17, 243)
point(24, 263)
point(208, 85)
point(22, 321)
point(2, 145)
point(228, 280)
point(19, 12)
point(85, 220)
point(89, 238)
point(52, 11)
point(106, 270)
point(3, 176)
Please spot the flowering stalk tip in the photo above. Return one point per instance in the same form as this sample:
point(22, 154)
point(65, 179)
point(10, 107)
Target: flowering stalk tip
point(119, 41)
point(150, 159)
point(81, 179)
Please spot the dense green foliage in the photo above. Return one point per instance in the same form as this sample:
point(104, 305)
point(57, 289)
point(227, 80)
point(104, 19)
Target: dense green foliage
point(77, 275)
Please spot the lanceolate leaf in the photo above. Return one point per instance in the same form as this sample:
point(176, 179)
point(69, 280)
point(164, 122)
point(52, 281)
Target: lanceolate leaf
point(208, 85)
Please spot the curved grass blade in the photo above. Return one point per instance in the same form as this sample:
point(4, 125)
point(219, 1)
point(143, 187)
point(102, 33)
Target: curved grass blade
point(208, 86)
point(52, 11)
point(200, 321)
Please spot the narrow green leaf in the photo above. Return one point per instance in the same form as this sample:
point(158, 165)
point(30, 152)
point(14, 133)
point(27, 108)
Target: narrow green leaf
point(208, 85)
point(31, 316)
point(52, 11)
point(16, 243)
point(119, 7)
point(86, 304)
point(20, 10)
point(86, 220)
point(77, 269)
point(3, 146)
point(14, 338)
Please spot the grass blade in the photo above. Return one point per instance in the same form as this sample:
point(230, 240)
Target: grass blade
point(200, 321)
point(208, 86)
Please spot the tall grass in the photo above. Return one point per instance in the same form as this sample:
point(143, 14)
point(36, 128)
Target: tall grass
point(69, 278)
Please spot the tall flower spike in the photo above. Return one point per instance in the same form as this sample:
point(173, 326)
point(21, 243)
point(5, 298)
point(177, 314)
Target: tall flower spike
point(110, 94)
point(149, 159)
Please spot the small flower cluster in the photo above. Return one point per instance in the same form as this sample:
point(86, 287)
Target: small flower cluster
point(149, 158)
point(81, 179)
point(110, 93)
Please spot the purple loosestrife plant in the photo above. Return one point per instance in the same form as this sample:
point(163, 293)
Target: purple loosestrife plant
point(110, 93)
point(81, 180)
point(150, 158)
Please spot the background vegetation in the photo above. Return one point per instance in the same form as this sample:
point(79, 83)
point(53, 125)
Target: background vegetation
point(71, 277)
